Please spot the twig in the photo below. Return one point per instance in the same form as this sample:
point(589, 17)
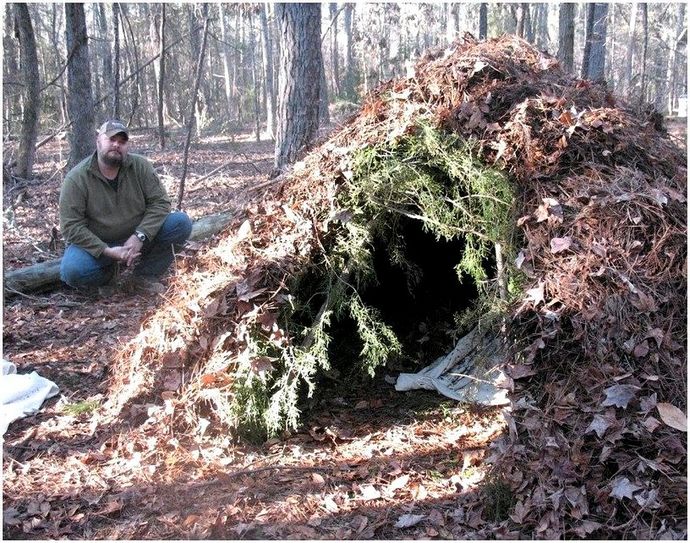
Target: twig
point(226, 477)
point(10, 289)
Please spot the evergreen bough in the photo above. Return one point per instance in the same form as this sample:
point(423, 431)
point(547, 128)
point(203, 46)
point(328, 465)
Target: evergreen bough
point(428, 176)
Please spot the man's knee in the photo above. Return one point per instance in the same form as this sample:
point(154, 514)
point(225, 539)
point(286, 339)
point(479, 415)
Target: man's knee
point(79, 269)
point(177, 227)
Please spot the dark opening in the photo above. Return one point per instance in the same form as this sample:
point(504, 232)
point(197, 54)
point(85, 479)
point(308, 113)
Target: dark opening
point(422, 317)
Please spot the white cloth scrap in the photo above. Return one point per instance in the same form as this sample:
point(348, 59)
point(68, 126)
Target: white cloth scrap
point(469, 373)
point(22, 394)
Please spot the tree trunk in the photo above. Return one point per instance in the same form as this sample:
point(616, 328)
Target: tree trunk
point(161, 79)
point(349, 69)
point(227, 82)
point(299, 80)
point(628, 74)
point(29, 68)
point(519, 14)
point(253, 51)
point(596, 41)
point(10, 68)
point(541, 25)
point(116, 62)
point(192, 105)
point(79, 96)
point(335, 64)
point(269, 82)
point(106, 58)
point(324, 114)
point(566, 35)
point(133, 58)
point(483, 20)
point(676, 76)
point(645, 41)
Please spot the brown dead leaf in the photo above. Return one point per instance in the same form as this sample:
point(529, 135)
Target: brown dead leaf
point(651, 424)
point(368, 492)
point(672, 416)
point(398, 483)
point(619, 395)
point(318, 480)
point(558, 245)
point(623, 488)
point(359, 523)
point(641, 349)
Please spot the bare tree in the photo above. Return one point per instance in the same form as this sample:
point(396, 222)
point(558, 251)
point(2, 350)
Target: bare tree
point(566, 35)
point(595, 42)
point(645, 42)
point(348, 87)
point(335, 63)
point(79, 95)
point(29, 68)
point(483, 20)
point(116, 60)
point(269, 83)
point(192, 105)
point(161, 78)
point(299, 79)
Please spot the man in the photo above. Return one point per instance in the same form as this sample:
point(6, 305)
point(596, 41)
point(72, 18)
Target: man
point(114, 210)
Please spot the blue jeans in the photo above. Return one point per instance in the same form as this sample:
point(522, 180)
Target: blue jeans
point(79, 269)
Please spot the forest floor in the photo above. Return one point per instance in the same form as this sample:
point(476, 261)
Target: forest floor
point(368, 462)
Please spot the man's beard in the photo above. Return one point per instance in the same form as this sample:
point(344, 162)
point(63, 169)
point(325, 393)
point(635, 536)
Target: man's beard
point(113, 160)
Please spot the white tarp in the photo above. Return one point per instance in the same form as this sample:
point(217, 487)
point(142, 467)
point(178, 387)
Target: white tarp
point(469, 373)
point(22, 395)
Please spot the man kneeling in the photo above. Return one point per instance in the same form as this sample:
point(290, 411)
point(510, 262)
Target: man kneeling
point(114, 209)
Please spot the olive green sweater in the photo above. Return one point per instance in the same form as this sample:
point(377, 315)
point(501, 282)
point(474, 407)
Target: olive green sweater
point(93, 213)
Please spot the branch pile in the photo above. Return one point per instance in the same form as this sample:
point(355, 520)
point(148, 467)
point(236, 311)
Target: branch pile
point(596, 334)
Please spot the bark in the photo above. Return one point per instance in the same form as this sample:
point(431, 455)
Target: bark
point(133, 58)
point(106, 58)
point(645, 41)
point(30, 78)
point(675, 76)
point(46, 275)
point(483, 20)
point(10, 69)
point(349, 69)
point(192, 106)
point(253, 51)
point(335, 63)
point(595, 42)
point(79, 96)
point(225, 58)
point(116, 61)
point(161, 79)
point(566, 35)
point(268, 65)
point(299, 80)
point(628, 75)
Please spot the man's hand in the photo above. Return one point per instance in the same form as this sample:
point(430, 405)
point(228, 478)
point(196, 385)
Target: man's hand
point(117, 253)
point(128, 252)
point(133, 245)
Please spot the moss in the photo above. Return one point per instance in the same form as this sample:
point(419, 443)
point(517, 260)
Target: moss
point(499, 500)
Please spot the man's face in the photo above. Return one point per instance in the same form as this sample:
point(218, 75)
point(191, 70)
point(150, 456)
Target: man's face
point(112, 150)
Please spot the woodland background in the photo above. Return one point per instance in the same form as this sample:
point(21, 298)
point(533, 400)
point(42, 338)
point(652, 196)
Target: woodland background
point(214, 68)
point(368, 462)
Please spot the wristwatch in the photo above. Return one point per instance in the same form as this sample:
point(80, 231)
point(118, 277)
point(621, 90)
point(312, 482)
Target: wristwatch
point(140, 235)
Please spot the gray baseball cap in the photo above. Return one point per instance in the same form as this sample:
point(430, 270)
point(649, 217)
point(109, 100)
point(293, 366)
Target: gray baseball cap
point(110, 128)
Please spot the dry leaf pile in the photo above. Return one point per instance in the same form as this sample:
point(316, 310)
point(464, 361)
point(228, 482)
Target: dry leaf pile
point(597, 444)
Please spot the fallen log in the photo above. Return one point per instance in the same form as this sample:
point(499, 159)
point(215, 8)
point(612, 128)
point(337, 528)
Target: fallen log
point(46, 275)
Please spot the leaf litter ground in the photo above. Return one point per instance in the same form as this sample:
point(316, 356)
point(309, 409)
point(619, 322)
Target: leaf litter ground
point(356, 468)
point(595, 444)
